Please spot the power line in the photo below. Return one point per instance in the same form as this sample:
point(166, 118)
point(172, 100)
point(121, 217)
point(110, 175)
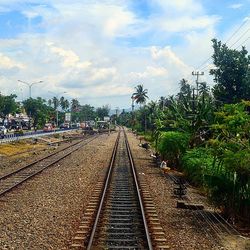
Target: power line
point(205, 62)
point(219, 228)
point(239, 38)
point(206, 66)
point(244, 22)
point(242, 43)
point(235, 32)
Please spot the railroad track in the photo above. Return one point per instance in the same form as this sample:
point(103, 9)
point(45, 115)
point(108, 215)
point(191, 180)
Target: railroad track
point(118, 218)
point(17, 177)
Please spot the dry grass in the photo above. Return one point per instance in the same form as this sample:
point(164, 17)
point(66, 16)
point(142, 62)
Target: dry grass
point(21, 147)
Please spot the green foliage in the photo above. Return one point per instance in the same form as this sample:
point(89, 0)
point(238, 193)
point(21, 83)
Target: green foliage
point(7, 105)
point(172, 145)
point(102, 111)
point(231, 130)
point(140, 94)
point(125, 119)
point(197, 163)
point(217, 135)
point(64, 103)
point(227, 182)
point(87, 112)
point(231, 73)
point(38, 110)
point(83, 113)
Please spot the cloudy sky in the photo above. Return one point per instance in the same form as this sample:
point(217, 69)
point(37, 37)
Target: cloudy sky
point(98, 50)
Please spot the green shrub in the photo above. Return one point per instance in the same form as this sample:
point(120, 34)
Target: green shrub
point(196, 163)
point(172, 145)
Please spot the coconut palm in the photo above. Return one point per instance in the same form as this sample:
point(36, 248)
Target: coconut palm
point(64, 103)
point(55, 102)
point(140, 94)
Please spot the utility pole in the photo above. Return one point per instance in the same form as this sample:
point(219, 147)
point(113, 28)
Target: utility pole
point(116, 113)
point(133, 115)
point(197, 74)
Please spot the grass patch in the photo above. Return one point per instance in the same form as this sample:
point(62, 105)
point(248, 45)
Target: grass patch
point(19, 148)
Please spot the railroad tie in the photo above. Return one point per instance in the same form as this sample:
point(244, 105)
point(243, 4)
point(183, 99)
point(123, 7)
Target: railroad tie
point(158, 236)
point(81, 235)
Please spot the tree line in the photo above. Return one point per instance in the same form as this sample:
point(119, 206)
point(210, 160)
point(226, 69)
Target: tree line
point(205, 131)
point(43, 111)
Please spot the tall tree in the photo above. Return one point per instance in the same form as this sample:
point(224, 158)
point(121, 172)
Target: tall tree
point(140, 94)
point(231, 73)
point(50, 102)
point(7, 105)
point(75, 105)
point(38, 110)
point(87, 112)
point(162, 102)
point(102, 111)
point(64, 103)
point(55, 102)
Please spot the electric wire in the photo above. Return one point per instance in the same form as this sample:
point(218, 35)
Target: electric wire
point(204, 217)
point(242, 43)
point(237, 232)
point(214, 226)
point(239, 38)
point(237, 30)
point(204, 68)
point(205, 230)
point(234, 33)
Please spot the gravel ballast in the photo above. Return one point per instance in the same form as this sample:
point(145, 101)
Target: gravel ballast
point(44, 212)
point(183, 230)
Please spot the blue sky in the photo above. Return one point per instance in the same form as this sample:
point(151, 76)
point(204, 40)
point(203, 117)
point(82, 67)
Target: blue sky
point(98, 51)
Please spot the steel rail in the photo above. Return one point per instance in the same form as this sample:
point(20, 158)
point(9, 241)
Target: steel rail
point(104, 191)
point(36, 161)
point(104, 194)
point(138, 193)
point(43, 168)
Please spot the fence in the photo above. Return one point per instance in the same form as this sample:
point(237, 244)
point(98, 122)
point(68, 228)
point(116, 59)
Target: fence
point(16, 137)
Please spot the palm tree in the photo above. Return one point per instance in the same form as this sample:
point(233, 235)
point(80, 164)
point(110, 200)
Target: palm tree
point(162, 102)
point(64, 103)
point(50, 102)
point(140, 95)
point(75, 105)
point(55, 102)
point(62, 100)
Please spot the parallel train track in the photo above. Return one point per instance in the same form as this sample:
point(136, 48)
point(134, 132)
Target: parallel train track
point(119, 217)
point(19, 176)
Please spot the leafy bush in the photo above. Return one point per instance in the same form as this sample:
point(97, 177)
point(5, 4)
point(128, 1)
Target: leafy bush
point(172, 145)
point(226, 178)
point(196, 163)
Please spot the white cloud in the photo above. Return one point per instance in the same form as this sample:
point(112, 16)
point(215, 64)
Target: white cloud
point(102, 73)
point(168, 56)
point(236, 6)
point(150, 72)
point(69, 57)
point(96, 50)
point(111, 90)
point(185, 23)
point(186, 6)
point(7, 63)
